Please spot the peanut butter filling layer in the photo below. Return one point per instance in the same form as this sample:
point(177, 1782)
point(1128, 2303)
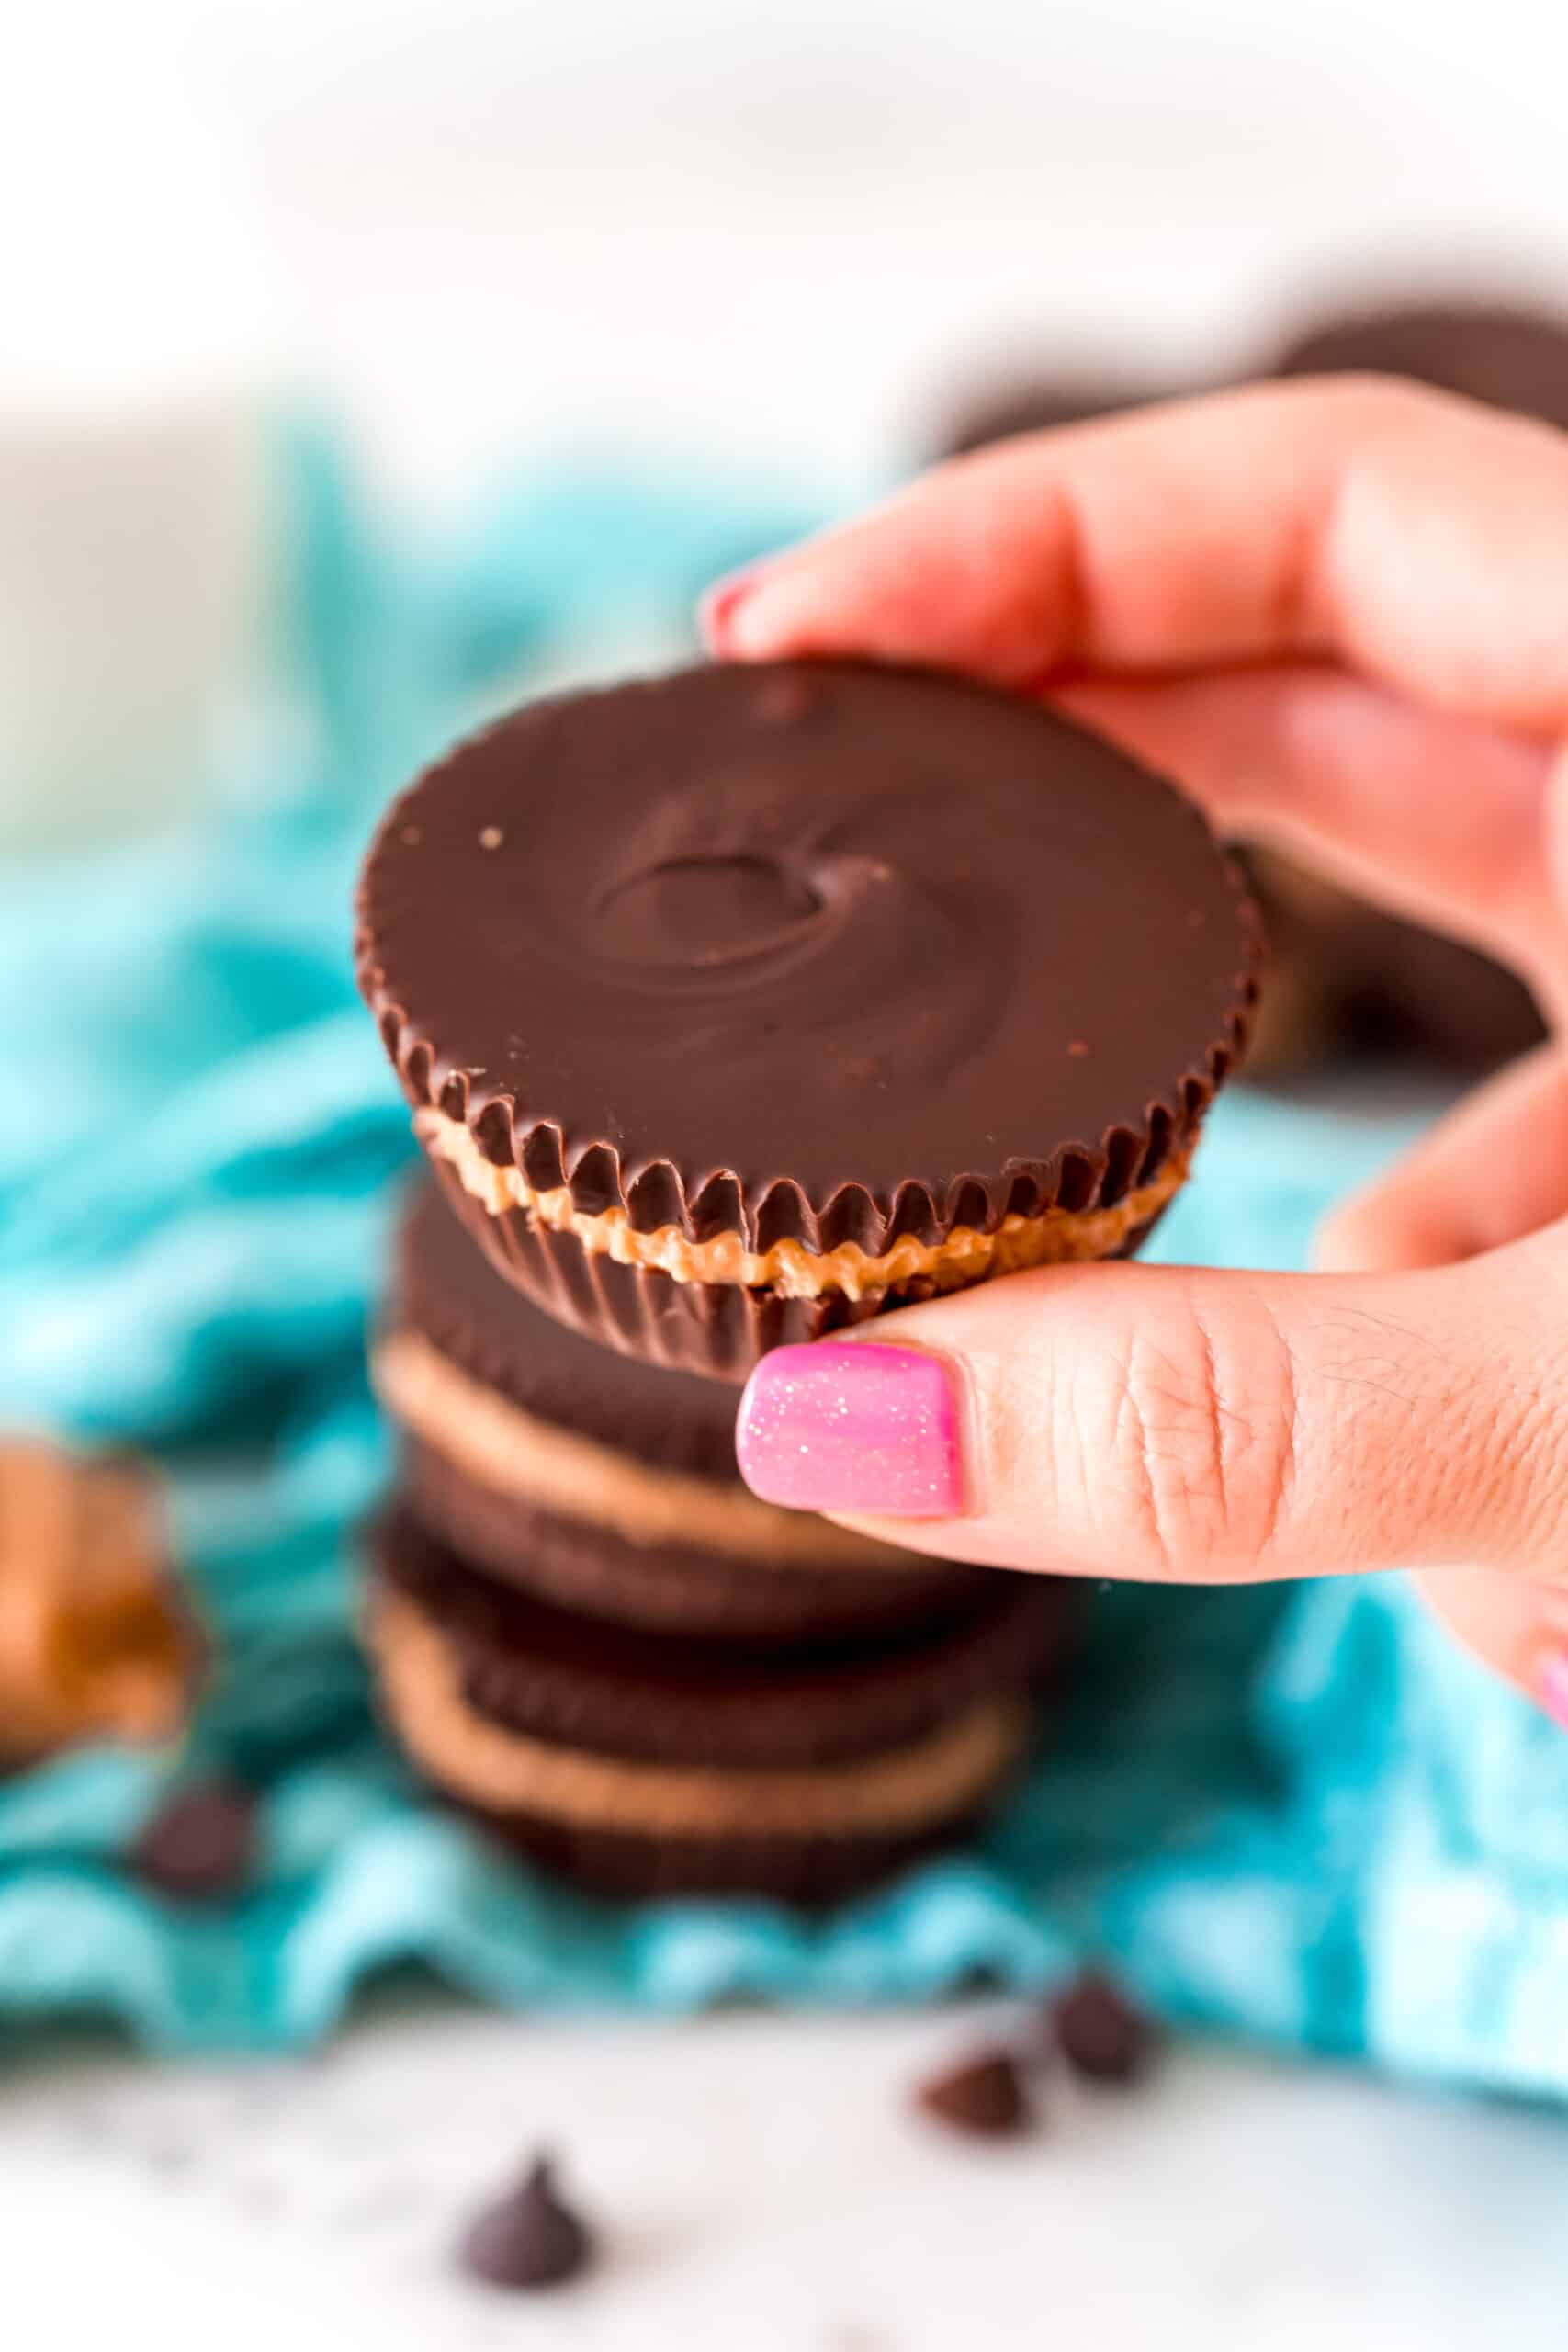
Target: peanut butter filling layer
point(93, 1640)
point(573, 1477)
point(1056, 1237)
point(903, 1790)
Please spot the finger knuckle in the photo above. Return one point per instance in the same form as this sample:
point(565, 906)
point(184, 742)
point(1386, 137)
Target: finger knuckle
point(1198, 1442)
point(1511, 1469)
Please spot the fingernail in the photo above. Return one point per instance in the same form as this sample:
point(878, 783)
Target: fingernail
point(1551, 1686)
point(718, 606)
point(843, 1427)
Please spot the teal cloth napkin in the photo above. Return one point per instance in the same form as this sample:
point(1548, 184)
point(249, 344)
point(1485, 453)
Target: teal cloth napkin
point(1298, 1815)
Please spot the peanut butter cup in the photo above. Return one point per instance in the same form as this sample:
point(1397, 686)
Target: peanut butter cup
point(602, 1482)
point(97, 1640)
point(642, 1764)
point(1041, 402)
point(1505, 355)
point(1347, 977)
point(742, 1004)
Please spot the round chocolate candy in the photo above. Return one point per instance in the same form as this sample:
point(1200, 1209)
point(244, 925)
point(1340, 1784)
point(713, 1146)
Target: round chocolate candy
point(740, 1004)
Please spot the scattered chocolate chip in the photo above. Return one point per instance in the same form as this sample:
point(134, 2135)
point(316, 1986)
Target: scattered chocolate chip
point(527, 2238)
point(983, 2096)
point(1099, 2033)
point(201, 1844)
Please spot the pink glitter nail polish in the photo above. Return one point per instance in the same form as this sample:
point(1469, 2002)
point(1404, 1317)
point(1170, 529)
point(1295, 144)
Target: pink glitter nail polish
point(1551, 1686)
point(718, 605)
point(844, 1427)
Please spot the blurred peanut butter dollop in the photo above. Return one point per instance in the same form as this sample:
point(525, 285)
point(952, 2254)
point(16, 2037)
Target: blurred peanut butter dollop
point(95, 1641)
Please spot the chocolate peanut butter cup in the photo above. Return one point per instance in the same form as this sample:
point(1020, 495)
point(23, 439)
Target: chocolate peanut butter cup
point(1505, 355)
point(1345, 976)
point(742, 1004)
point(1041, 402)
point(602, 1482)
point(642, 1764)
point(98, 1639)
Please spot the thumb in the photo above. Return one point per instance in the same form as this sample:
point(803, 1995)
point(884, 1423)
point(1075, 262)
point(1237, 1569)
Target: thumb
point(1197, 1426)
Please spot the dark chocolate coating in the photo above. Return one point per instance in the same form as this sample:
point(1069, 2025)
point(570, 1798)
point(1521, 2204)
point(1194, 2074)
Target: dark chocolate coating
point(1021, 404)
point(704, 1595)
point(1346, 978)
point(1379, 986)
point(1507, 356)
point(717, 1329)
point(445, 1291)
point(555, 1676)
point(448, 1292)
point(812, 950)
point(810, 1872)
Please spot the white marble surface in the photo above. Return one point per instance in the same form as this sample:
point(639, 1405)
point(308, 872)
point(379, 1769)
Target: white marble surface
point(761, 2187)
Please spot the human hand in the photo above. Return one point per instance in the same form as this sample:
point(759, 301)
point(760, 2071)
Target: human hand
point(1338, 612)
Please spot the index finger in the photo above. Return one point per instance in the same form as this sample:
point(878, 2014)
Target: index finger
point(1415, 538)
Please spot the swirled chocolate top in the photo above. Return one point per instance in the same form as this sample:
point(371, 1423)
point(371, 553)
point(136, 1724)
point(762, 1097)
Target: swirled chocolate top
point(810, 948)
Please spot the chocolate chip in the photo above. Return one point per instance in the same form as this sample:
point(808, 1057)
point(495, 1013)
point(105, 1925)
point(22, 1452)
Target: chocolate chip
point(983, 2096)
point(1099, 2033)
point(527, 2238)
point(201, 1844)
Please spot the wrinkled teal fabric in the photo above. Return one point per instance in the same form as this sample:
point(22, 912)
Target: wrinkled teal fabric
point(1296, 1815)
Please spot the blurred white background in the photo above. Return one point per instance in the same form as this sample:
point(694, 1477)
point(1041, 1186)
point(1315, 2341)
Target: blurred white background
point(774, 241)
point(727, 228)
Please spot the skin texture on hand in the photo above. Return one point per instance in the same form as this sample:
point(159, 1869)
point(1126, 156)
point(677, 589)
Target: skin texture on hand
point(1334, 612)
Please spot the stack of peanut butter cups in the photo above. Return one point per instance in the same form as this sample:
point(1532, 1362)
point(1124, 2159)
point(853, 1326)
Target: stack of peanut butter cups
point(735, 1008)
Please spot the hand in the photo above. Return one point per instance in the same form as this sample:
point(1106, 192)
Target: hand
point(1339, 614)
